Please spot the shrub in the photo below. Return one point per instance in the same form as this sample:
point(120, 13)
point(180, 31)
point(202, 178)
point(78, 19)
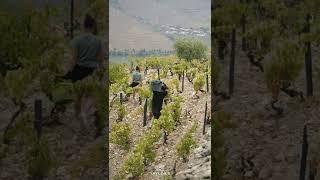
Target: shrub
point(199, 82)
point(189, 48)
point(120, 133)
point(40, 161)
point(176, 108)
point(186, 144)
point(134, 164)
point(121, 112)
point(284, 68)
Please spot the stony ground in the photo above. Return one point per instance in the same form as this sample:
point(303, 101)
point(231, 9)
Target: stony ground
point(76, 156)
point(166, 154)
point(269, 145)
point(199, 165)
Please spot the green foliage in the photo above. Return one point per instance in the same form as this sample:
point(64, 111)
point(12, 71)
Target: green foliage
point(176, 108)
point(285, 66)
point(40, 160)
point(167, 177)
point(191, 73)
point(59, 91)
point(134, 164)
point(121, 112)
point(176, 84)
point(119, 79)
point(102, 105)
point(141, 63)
point(166, 121)
point(219, 163)
point(224, 119)
point(17, 84)
point(118, 73)
point(46, 81)
point(178, 68)
point(120, 134)
point(221, 121)
point(226, 17)
point(173, 86)
point(95, 155)
point(3, 151)
point(97, 8)
point(27, 37)
point(312, 7)
point(153, 62)
point(85, 87)
point(163, 73)
point(190, 49)
point(199, 82)
point(143, 151)
point(22, 131)
point(145, 147)
point(144, 91)
point(187, 143)
point(263, 31)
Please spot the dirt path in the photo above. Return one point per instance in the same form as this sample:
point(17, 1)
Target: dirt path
point(271, 143)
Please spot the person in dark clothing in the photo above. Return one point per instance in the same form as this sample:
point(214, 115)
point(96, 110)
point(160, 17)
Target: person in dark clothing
point(136, 78)
point(159, 90)
point(87, 57)
point(87, 52)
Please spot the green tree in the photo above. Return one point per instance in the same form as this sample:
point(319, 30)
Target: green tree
point(190, 48)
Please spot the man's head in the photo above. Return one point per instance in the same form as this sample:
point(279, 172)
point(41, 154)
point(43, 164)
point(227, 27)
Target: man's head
point(138, 69)
point(90, 24)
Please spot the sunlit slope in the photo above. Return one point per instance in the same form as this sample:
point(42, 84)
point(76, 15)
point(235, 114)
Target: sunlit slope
point(187, 13)
point(126, 33)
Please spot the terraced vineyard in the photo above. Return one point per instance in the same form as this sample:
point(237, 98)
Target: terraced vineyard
point(40, 136)
point(161, 148)
point(267, 53)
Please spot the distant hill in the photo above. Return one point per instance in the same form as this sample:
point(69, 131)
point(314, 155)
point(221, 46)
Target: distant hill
point(136, 24)
point(193, 13)
point(126, 33)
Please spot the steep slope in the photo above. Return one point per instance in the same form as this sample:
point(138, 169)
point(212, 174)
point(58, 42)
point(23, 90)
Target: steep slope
point(140, 24)
point(190, 13)
point(166, 161)
point(126, 33)
point(266, 146)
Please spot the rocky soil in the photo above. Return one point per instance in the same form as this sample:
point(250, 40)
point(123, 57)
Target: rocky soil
point(266, 146)
point(199, 165)
point(166, 157)
point(76, 156)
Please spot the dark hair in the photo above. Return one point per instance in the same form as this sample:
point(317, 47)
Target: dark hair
point(137, 68)
point(90, 23)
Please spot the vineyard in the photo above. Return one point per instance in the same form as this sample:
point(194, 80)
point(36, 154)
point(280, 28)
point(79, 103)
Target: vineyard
point(142, 147)
point(40, 136)
point(266, 92)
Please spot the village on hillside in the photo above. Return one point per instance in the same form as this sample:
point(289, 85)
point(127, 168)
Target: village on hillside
point(176, 30)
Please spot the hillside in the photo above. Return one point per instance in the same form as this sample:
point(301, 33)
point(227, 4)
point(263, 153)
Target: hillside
point(63, 150)
point(183, 110)
point(269, 145)
point(126, 33)
point(266, 99)
point(156, 24)
point(191, 13)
